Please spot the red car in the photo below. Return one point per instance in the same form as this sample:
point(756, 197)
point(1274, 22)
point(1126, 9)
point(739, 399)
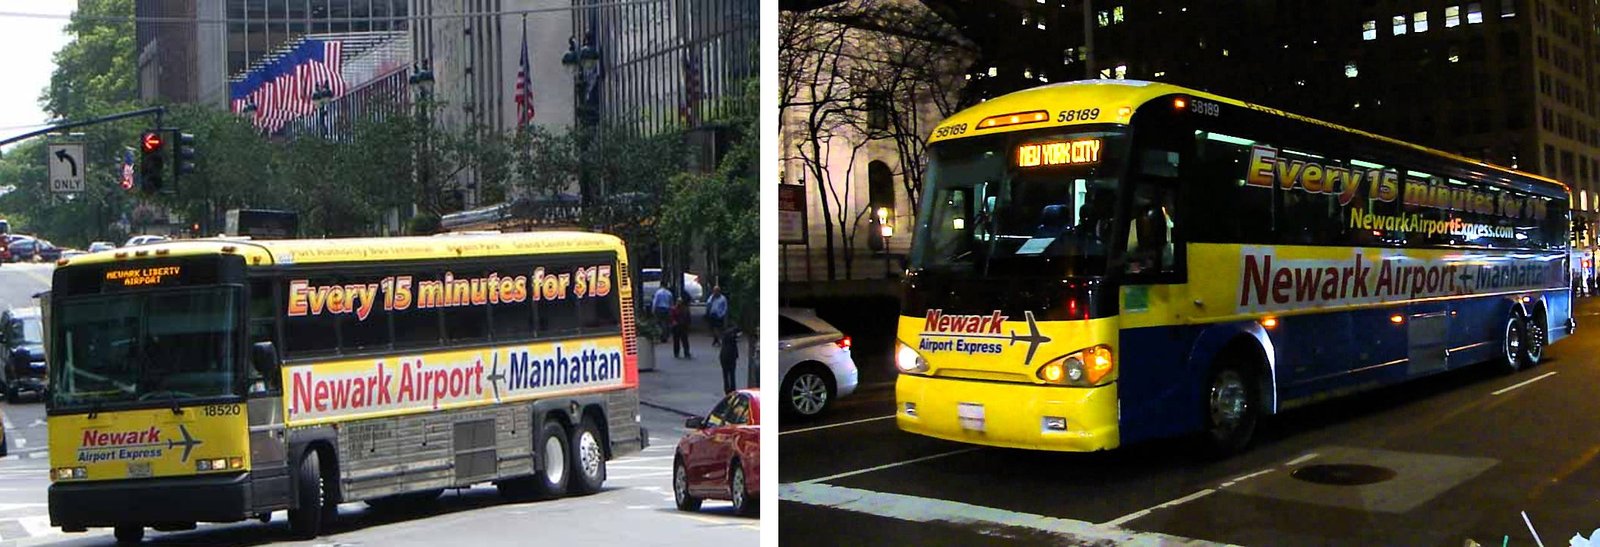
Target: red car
point(720, 458)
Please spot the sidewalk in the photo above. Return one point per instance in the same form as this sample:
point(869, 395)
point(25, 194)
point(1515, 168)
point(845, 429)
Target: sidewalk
point(687, 386)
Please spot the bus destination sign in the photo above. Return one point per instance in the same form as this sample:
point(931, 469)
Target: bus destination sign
point(152, 276)
point(1054, 153)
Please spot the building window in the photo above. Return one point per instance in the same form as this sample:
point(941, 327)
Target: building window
point(1549, 160)
point(1474, 13)
point(1455, 55)
point(1419, 21)
point(1452, 16)
point(1350, 70)
point(1103, 18)
point(994, 72)
point(1369, 30)
point(1122, 71)
point(1399, 25)
point(1116, 15)
point(1508, 8)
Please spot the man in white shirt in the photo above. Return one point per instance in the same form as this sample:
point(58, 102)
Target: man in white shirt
point(661, 306)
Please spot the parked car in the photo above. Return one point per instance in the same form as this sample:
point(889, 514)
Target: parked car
point(25, 248)
point(720, 457)
point(651, 278)
point(69, 253)
point(22, 349)
point(814, 361)
point(143, 240)
point(101, 246)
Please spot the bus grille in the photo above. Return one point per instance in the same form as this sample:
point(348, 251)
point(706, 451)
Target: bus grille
point(630, 335)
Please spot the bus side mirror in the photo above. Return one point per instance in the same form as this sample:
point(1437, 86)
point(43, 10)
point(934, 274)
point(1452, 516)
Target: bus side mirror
point(264, 357)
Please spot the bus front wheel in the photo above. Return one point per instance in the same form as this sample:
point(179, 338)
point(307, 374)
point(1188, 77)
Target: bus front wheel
point(1230, 411)
point(306, 519)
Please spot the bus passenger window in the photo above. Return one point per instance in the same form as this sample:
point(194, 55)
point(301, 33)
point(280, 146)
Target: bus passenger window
point(416, 327)
point(557, 316)
point(466, 323)
point(512, 320)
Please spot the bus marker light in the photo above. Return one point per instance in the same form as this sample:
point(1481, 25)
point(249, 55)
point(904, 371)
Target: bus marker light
point(1125, 111)
point(141, 253)
point(911, 408)
point(1179, 103)
point(1055, 423)
point(163, 252)
point(1099, 364)
point(1397, 319)
point(1017, 118)
point(1270, 322)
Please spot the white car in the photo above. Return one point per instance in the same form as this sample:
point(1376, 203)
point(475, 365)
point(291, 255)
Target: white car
point(101, 246)
point(143, 240)
point(815, 362)
point(651, 278)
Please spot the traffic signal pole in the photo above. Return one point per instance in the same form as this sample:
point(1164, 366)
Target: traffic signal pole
point(156, 111)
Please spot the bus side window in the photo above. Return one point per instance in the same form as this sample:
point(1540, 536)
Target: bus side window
point(309, 333)
point(1219, 206)
point(1150, 242)
point(466, 322)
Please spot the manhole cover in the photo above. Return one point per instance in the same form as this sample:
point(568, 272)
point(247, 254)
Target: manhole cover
point(1343, 474)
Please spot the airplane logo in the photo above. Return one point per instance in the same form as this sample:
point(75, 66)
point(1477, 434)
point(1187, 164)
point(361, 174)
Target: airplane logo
point(188, 443)
point(495, 376)
point(1033, 338)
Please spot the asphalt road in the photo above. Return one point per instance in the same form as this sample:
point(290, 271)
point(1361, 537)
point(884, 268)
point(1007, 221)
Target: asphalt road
point(634, 508)
point(1472, 455)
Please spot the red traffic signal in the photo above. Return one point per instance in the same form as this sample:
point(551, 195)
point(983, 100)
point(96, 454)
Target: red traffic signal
point(150, 142)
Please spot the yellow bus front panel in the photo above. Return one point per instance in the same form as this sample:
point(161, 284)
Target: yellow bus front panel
point(149, 443)
point(1008, 415)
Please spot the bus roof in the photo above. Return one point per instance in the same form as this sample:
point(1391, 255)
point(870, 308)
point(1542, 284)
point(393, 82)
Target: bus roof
point(366, 249)
point(1117, 100)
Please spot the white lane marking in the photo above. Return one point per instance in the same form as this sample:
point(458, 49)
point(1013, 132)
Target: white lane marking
point(637, 475)
point(21, 442)
point(889, 465)
point(1119, 521)
point(644, 459)
point(1530, 526)
point(37, 422)
point(1242, 478)
point(613, 467)
point(38, 526)
point(852, 422)
point(1526, 382)
point(918, 509)
point(37, 455)
point(1301, 459)
point(641, 507)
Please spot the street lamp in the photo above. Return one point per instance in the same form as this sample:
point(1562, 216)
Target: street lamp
point(584, 63)
point(421, 80)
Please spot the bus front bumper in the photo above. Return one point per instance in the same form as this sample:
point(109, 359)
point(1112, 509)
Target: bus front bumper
point(1008, 415)
point(204, 498)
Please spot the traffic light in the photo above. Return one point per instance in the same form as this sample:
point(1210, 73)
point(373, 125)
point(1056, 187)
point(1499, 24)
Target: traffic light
point(152, 162)
point(183, 163)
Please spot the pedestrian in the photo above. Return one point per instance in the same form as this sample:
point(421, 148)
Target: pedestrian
point(661, 307)
point(729, 356)
point(716, 313)
point(680, 328)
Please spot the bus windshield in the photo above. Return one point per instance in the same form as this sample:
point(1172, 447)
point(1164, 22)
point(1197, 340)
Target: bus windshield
point(131, 347)
point(1039, 203)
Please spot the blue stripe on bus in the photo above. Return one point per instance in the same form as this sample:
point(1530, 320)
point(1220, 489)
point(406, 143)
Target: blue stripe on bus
point(1163, 369)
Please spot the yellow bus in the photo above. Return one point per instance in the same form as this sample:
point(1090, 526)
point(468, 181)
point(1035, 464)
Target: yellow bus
point(219, 380)
point(1098, 263)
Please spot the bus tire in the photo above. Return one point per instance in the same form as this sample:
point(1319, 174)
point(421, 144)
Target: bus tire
point(680, 487)
point(128, 534)
point(1511, 344)
point(305, 520)
point(1231, 410)
point(1534, 339)
point(588, 458)
point(555, 470)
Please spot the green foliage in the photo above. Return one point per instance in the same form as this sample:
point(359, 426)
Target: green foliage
point(96, 72)
point(722, 208)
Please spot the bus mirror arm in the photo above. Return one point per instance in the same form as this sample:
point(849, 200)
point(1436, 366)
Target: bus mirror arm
point(264, 357)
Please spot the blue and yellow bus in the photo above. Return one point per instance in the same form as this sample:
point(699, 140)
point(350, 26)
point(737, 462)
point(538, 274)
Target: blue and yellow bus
point(1099, 263)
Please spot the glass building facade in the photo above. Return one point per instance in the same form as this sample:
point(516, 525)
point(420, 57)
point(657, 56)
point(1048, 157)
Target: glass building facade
point(256, 27)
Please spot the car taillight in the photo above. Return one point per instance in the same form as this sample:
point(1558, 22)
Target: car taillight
point(843, 343)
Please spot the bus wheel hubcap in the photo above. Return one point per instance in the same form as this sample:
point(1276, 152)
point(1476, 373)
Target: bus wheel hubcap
point(555, 462)
point(589, 451)
point(1228, 401)
point(809, 394)
point(1513, 341)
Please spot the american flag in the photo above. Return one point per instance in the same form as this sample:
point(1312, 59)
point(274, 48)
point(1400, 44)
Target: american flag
point(524, 92)
point(691, 89)
point(282, 89)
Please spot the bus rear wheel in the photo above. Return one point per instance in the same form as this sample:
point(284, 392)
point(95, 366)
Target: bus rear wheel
point(1512, 349)
point(588, 459)
point(1533, 345)
point(1230, 411)
point(128, 534)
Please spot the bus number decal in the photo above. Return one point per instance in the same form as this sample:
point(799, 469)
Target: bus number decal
point(1080, 115)
point(1207, 108)
point(950, 130)
point(221, 410)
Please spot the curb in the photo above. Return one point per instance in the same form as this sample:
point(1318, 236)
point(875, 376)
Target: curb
point(667, 408)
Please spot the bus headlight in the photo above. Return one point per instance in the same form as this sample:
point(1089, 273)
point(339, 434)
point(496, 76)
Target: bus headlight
point(908, 360)
point(66, 473)
point(219, 464)
point(1088, 367)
